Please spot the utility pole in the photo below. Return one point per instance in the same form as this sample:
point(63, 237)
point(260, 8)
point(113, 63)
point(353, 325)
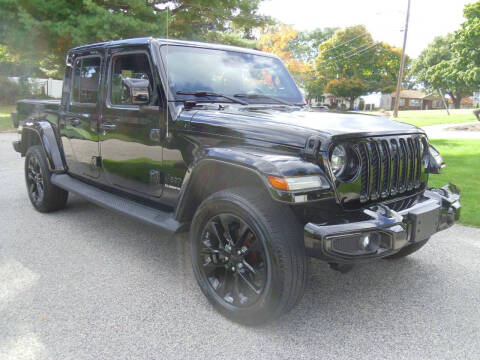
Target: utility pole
point(443, 100)
point(402, 64)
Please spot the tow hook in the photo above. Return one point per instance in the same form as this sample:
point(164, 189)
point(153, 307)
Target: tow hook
point(343, 268)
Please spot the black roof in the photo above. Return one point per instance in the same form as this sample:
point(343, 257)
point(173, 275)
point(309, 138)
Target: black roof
point(148, 40)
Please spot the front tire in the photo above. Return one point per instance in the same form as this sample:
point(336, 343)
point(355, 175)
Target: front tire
point(44, 196)
point(248, 255)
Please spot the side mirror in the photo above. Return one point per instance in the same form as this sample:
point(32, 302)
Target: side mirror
point(136, 91)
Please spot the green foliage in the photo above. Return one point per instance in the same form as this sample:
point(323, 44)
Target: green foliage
point(41, 32)
point(351, 55)
point(304, 47)
point(5, 118)
point(347, 88)
point(452, 62)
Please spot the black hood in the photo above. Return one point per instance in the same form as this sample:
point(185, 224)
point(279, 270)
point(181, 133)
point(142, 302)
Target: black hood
point(292, 128)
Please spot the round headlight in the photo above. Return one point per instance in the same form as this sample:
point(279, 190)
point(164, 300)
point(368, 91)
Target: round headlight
point(338, 159)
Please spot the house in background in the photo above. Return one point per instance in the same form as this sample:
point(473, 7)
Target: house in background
point(409, 100)
point(432, 101)
point(465, 103)
point(417, 100)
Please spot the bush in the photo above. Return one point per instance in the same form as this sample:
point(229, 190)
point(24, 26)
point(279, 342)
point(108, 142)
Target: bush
point(11, 91)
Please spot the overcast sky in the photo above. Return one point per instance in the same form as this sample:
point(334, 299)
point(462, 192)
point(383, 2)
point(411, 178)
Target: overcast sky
point(384, 18)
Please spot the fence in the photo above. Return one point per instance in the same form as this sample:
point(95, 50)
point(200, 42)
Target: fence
point(50, 87)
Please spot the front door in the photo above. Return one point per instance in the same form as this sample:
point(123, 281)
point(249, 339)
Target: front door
point(79, 121)
point(130, 129)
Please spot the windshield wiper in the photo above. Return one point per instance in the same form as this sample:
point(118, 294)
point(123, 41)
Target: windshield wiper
point(206, 94)
point(262, 96)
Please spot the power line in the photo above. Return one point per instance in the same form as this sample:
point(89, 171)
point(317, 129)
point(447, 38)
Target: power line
point(345, 42)
point(354, 50)
point(362, 51)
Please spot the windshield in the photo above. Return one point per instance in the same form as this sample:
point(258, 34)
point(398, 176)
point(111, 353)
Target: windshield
point(229, 73)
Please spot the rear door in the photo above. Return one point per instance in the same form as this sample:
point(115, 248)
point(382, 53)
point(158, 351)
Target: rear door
point(79, 121)
point(130, 128)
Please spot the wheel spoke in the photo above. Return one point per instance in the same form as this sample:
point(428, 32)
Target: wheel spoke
point(249, 267)
point(249, 284)
point(209, 248)
point(226, 229)
point(242, 233)
point(212, 265)
point(213, 227)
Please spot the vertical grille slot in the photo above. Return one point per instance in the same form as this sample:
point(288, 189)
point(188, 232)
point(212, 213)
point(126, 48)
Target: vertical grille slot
point(376, 171)
point(390, 166)
point(364, 196)
point(403, 165)
point(386, 165)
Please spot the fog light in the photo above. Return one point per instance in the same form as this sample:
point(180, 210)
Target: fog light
point(365, 241)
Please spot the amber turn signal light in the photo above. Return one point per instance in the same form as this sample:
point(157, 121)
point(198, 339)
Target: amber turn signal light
point(278, 183)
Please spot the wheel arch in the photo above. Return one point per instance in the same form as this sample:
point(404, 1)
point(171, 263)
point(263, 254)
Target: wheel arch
point(210, 176)
point(43, 133)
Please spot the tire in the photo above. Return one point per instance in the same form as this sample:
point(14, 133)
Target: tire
point(272, 246)
point(407, 250)
point(44, 196)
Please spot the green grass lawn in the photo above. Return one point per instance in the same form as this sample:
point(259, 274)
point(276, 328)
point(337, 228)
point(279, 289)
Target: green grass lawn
point(432, 117)
point(5, 120)
point(463, 169)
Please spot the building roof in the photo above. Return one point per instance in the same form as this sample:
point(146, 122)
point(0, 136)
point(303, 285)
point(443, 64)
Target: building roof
point(410, 94)
point(432, 96)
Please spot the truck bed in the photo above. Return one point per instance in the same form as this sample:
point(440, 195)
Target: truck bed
point(28, 107)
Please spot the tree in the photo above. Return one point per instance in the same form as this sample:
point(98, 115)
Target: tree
point(276, 39)
point(351, 55)
point(304, 47)
point(452, 63)
point(347, 88)
point(43, 31)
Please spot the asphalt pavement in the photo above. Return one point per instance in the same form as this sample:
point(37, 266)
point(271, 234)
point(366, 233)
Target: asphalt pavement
point(86, 283)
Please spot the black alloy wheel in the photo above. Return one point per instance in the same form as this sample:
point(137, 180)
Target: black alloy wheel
point(44, 195)
point(248, 255)
point(34, 178)
point(233, 260)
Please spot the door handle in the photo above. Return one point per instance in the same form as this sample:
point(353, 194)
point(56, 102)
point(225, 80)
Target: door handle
point(108, 126)
point(74, 122)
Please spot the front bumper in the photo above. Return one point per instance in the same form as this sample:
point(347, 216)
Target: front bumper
point(386, 231)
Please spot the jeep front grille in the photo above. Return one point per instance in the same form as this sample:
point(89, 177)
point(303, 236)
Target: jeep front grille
point(390, 166)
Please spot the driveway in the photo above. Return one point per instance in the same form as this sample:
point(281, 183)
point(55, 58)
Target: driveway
point(445, 131)
point(85, 283)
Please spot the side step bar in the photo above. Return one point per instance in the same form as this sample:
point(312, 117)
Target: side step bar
point(161, 219)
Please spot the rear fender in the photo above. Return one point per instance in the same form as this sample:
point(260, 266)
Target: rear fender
point(42, 132)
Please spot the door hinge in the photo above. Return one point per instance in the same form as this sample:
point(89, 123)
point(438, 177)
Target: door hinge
point(96, 162)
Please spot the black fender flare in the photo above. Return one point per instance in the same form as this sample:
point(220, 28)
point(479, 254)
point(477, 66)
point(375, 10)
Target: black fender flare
point(47, 137)
point(215, 169)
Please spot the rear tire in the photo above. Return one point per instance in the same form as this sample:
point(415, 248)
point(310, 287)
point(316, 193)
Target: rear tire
point(408, 250)
point(271, 250)
point(44, 196)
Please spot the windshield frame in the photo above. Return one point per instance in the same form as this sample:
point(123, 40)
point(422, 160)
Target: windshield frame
point(174, 97)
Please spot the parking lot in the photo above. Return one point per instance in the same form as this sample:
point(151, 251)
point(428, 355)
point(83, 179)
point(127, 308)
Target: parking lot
point(86, 283)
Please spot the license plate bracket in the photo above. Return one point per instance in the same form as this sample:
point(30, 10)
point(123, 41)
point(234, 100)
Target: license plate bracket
point(424, 221)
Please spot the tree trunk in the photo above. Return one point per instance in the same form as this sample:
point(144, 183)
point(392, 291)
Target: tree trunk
point(352, 100)
point(458, 99)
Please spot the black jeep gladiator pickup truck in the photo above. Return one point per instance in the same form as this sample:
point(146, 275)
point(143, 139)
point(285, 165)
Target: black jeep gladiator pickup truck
point(218, 141)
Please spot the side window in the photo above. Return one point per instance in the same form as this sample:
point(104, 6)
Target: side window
point(131, 81)
point(86, 76)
